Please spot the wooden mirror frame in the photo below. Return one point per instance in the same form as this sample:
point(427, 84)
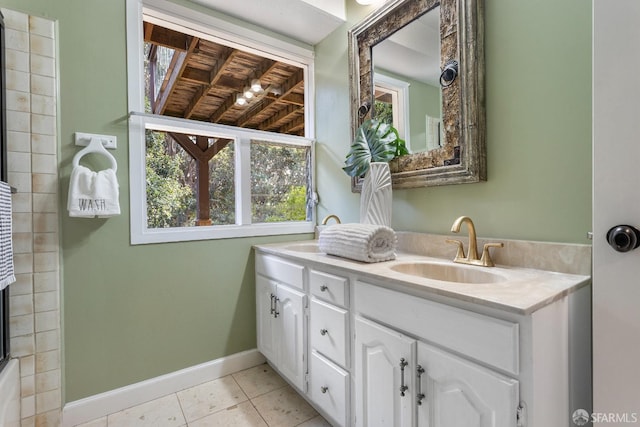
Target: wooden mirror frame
point(462, 159)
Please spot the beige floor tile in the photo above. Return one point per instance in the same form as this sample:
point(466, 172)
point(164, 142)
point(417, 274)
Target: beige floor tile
point(165, 412)
point(100, 422)
point(259, 380)
point(208, 398)
point(316, 422)
point(242, 415)
point(283, 408)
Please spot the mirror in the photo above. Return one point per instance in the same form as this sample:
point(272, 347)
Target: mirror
point(397, 55)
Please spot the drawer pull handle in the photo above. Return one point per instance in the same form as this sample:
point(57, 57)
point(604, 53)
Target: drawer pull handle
point(420, 394)
point(324, 288)
point(403, 387)
point(272, 304)
point(323, 332)
point(324, 389)
point(275, 306)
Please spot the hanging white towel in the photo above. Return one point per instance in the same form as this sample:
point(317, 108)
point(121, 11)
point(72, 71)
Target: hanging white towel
point(7, 275)
point(93, 194)
point(361, 242)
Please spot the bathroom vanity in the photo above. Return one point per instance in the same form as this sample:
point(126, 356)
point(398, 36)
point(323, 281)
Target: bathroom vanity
point(421, 341)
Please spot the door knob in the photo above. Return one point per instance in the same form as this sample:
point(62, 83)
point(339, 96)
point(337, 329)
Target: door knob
point(623, 238)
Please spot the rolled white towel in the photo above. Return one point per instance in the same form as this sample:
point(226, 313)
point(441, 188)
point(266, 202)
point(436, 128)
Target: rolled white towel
point(360, 242)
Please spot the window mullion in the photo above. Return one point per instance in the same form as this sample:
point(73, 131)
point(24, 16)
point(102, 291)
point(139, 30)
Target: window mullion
point(243, 182)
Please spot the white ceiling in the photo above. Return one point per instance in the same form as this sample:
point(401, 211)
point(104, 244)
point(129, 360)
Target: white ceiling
point(308, 21)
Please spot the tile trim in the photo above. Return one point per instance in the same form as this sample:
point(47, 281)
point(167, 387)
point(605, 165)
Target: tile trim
point(100, 405)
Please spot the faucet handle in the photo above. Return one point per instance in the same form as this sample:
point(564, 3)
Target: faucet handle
point(460, 253)
point(486, 256)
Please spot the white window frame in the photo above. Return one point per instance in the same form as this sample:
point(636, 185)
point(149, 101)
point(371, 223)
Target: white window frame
point(178, 17)
point(399, 90)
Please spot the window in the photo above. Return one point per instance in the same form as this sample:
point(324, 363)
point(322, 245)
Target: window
point(392, 103)
point(219, 128)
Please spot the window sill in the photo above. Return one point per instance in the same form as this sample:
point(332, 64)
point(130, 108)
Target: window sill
point(220, 232)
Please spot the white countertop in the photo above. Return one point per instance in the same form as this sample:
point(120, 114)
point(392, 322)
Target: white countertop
point(522, 291)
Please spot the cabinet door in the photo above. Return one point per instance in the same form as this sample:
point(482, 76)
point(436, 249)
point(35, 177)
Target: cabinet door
point(265, 294)
point(459, 393)
point(378, 355)
point(290, 327)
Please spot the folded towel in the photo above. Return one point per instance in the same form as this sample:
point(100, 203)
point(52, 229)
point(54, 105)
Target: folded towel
point(93, 193)
point(361, 242)
point(7, 275)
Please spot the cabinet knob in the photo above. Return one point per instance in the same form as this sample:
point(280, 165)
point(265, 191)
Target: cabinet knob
point(324, 288)
point(323, 332)
point(324, 389)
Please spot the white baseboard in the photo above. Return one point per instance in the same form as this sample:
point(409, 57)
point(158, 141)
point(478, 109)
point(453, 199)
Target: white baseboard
point(99, 405)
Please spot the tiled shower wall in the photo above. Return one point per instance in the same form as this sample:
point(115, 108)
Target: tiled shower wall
point(32, 164)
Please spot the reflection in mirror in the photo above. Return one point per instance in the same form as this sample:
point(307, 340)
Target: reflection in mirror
point(407, 92)
point(444, 126)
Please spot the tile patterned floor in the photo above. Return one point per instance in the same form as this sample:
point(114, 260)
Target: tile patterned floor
point(256, 397)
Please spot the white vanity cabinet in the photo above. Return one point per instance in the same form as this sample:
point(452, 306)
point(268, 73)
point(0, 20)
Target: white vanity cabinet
point(280, 303)
point(329, 343)
point(398, 377)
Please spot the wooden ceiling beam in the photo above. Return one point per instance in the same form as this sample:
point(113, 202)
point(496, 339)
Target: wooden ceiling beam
point(179, 63)
point(214, 76)
point(280, 116)
point(165, 37)
point(294, 126)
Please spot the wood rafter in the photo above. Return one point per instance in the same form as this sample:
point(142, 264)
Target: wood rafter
point(204, 77)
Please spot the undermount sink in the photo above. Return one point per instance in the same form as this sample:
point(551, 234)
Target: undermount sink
point(448, 272)
point(303, 247)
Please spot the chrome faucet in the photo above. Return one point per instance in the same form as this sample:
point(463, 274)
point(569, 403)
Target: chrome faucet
point(472, 257)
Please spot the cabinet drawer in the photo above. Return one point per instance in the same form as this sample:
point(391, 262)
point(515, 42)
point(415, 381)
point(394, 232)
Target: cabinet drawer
point(329, 388)
point(328, 287)
point(484, 338)
point(280, 270)
point(328, 334)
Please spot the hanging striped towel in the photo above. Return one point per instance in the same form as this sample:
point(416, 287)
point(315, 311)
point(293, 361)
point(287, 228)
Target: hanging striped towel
point(7, 276)
point(360, 242)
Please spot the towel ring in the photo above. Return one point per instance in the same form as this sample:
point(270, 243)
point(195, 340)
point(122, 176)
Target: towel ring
point(95, 146)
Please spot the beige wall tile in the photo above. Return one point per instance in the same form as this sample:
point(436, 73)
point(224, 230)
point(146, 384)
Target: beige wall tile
point(18, 101)
point(42, 45)
point(42, 26)
point(45, 183)
point(27, 366)
point(45, 281)
point(28, 408)
point(42, 104)
point(23, 285)
point(21, 304)
point(45, 301)
point(22, 222)
point(21, 203)
point(47, 321)
point(45, 261)
point(44, 163)
point(16, 60)
point(19, 162)
point(45, 202)
point(16, 40)
point(21, 325)
point(45, 125)
point(18, 121)
point(43, 65)
point(18, 80)
point(20, 180)
point(48, 401)
point(47, 361)
point(18, 141)
point(45, 222)
point(28, 385)
point(45, 242)
point(15, 20)
point(23, 346)
point(23, 263)
point(43, 85)
point(46, 341)
point(47, 381)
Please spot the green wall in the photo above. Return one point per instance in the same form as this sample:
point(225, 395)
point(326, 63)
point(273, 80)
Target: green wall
point(135, 312)
point(538, 104)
